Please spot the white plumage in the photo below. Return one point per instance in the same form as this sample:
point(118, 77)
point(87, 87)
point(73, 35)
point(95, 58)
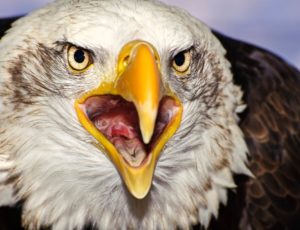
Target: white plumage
point(64, 179)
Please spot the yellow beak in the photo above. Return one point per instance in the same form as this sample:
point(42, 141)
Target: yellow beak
point(138, 81)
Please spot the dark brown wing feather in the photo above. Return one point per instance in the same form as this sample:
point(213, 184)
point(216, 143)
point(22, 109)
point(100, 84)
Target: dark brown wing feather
point(271, 125)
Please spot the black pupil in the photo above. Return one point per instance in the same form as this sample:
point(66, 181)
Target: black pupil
point(79, 56)
point(179, 59)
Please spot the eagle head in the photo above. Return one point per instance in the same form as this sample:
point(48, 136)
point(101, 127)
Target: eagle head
point(117, 113)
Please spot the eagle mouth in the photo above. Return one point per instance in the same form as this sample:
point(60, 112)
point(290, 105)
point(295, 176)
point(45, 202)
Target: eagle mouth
point(133, 116)
point(118, 121)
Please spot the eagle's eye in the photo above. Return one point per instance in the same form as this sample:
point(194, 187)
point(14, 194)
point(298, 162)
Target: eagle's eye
point(78, 58)
point(181, 62)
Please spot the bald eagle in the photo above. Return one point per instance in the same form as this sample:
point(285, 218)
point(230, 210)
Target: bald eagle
point(135, 115)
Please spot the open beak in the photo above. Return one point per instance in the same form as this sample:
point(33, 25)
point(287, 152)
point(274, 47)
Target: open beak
point(133, 117)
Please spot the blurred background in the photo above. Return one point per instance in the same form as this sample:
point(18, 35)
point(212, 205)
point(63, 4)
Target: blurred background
point(272, 24)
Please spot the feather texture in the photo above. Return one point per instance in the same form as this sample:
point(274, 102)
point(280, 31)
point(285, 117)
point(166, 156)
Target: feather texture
point(53, 168)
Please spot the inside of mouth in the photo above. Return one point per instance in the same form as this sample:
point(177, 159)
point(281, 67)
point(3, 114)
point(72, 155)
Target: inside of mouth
point(117, 119)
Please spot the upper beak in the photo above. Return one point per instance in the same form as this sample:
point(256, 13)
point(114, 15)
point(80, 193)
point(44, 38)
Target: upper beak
point(138, 81)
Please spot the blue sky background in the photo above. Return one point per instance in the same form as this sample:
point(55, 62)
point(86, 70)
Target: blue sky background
point(272, 24)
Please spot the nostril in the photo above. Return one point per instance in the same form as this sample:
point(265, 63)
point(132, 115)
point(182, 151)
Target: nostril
point(126, 61)
point(156, 59)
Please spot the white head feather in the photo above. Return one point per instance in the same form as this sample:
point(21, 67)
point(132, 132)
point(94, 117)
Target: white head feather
point(51, 161)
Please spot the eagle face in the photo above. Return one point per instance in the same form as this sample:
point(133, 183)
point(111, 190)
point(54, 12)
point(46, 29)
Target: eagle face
point(117, 114)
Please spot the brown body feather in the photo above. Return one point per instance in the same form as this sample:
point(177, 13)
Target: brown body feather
point(271, 125)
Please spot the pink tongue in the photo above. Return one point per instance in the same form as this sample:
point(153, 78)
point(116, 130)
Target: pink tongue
point(122, 130)
point(115, 124)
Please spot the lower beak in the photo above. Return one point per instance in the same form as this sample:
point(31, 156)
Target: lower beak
point(138, 82)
